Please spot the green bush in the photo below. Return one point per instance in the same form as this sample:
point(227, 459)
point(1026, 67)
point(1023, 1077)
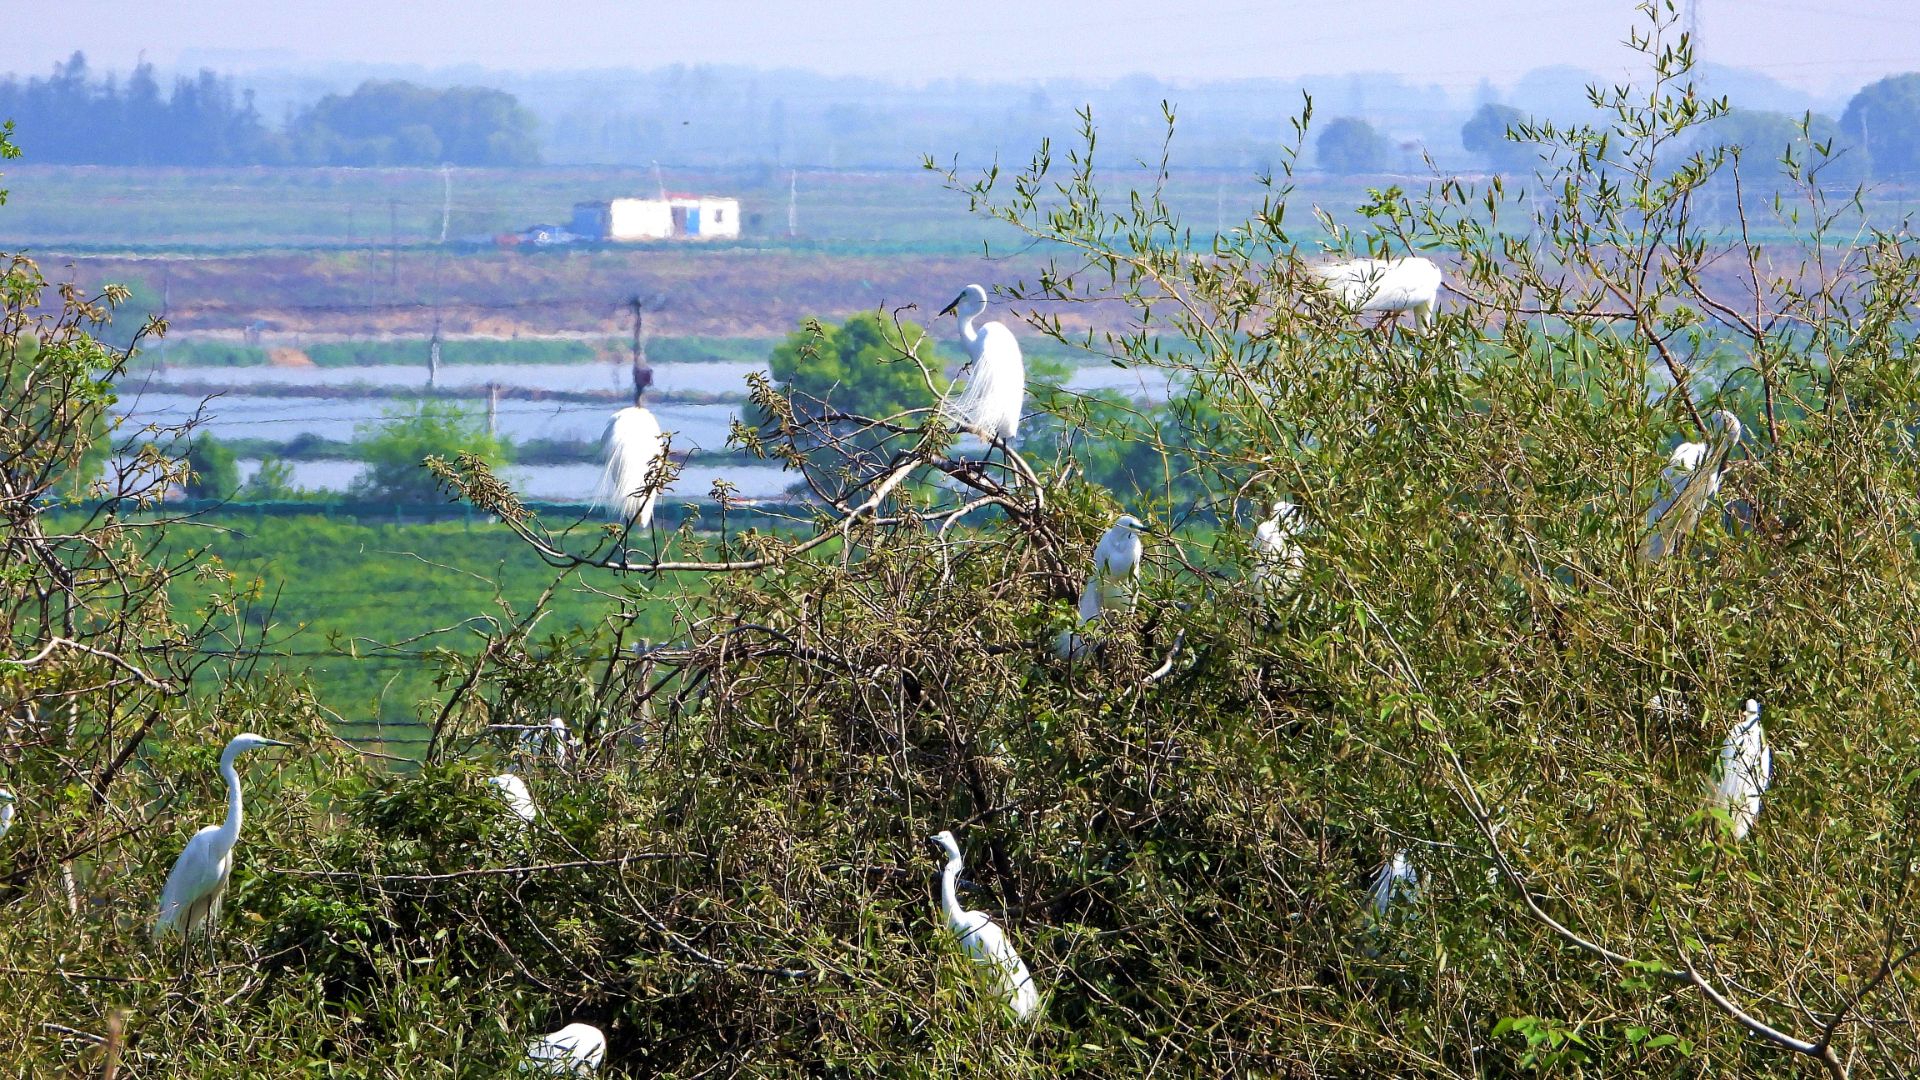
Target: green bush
point(396, 448)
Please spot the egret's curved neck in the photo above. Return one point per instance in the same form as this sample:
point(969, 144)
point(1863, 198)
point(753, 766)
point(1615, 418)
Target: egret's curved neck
point(231, 827)
point(949, 890)
point(969, 335)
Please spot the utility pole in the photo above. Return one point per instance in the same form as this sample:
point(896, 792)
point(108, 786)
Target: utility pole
point(493, 410)
point(166, 308)
point(660, 181)
point(393, 249)
point(1693, 27)
point(446, 199)
point(793, 204)
point(642, 373)
point(433, 350)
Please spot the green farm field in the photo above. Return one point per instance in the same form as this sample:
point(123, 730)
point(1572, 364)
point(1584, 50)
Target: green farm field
point(367, 612)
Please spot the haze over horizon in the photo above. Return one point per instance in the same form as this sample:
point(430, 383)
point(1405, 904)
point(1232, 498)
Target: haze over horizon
point(1454, 44)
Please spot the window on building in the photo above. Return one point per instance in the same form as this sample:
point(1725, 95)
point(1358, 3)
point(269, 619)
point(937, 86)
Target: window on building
point(719, 216)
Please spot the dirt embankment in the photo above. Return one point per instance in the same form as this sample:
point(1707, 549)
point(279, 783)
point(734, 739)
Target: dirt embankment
point(719, 293)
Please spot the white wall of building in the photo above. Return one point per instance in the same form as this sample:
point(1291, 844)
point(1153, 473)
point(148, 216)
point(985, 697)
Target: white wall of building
point(719, 218)
point(639, 219)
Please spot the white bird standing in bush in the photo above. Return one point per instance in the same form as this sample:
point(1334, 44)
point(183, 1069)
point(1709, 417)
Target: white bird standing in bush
point(633, 445)
point(6, 810)
point(191, 899)
point(1396, 883)
point(1385, 285)
point(983, 939)
point(996, 388)
point(518, 798)
point(1745, 770)
point(1276, 549)
point(574, 1050)
point(1692, 477)
point(1116, 572)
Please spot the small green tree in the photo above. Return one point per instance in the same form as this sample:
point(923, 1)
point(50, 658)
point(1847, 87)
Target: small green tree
point(1884, 119)
point(838, 379)
point(394, 447)
point(273, 480)
point(215, 474)
point(1485, 134)
point(1348, 145)
point(856, 367)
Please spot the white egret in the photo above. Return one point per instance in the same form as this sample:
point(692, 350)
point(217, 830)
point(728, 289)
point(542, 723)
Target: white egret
point(574, 1050)
point(983, 939)
point(1745, 769)
point(1396, 883)
point(191, 899)
point(633, 446)
point(518, 798)
point(1280, 559)
point(1116, 569)
point(1692, 477)
point(996, 388)
point(549, 736)
point(6, 810)
point(1389, 285)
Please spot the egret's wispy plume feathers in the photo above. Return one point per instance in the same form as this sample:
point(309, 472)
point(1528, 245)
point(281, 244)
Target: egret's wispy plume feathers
point(996, 388)
point(1745, 770)
point(633, 445)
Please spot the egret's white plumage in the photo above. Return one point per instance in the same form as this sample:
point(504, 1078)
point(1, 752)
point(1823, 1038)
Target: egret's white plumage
point(574, 1050)
point(191, 899)
point(6, 810)
point(996, 388)
point(983, 939)
point(1116, 570)
point(518, 798)
point(1745, 769)
point(1692, 477)
point(632, 444)
point(1396, 883)
point(1280, 559)
point(550, 736)
point(1411, 284)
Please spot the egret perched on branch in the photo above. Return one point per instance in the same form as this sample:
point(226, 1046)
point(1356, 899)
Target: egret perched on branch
point(1389, 285)
point(1745, 769)
point(983, 939)
point(1116, 569)
point(1397, 882)
point(633, 445)
point(191, 899)
point(1278, 553)
point(6, 810)
point(1692, 477)
point(549, 736)
point(518, 798)
point(997, 385)
point(574, 1050)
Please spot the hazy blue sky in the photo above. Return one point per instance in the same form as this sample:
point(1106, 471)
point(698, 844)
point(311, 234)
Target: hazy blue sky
point(1819, 46)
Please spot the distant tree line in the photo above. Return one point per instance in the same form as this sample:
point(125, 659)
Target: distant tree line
point(1877, 137)
point(73, 117)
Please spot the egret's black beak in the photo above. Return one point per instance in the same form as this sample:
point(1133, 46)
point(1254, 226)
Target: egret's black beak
point(948, 310)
